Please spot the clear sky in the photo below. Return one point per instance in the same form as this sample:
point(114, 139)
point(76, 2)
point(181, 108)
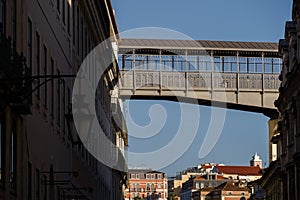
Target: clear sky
point(232, 20)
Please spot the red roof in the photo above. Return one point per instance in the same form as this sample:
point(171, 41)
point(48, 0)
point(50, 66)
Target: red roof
point(206, 166)
point(207, 189)
point(240, 170)
point(219, 177)
point(200, 178)
point(230, 186)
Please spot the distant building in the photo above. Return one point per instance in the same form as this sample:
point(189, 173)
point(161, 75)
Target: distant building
point(248, 173)
point(211, 176)
point(282, 179)
point(175, 183)
point(196, 183)
point(42, 45)
point(228, 191)
point(256, 161)
point(147, 184)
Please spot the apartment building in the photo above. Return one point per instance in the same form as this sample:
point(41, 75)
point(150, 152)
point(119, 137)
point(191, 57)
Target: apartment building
point(282, 179)
point(43, 44)
point(147, 184)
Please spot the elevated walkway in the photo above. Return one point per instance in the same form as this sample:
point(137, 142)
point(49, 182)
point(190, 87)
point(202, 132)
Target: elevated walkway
point(237, 75)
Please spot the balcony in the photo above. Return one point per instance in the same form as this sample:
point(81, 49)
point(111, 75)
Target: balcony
point(119, 119)
point(16, 84)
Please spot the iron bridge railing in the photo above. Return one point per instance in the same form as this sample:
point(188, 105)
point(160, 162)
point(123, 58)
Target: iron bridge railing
point(135, 79)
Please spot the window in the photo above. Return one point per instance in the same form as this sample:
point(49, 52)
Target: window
point(37, 64)
point(3, 16)
point(69, 96)
point(1, 147)
point(64, 102)
point(152, 187)
point(137, 176)
point(45, 73)
point(159, 185)
point(29, 181)
point(29, 43)
point(73, 22)
point(52, 88)
point(148, 186)
point(148, 176)
point(202, 185)
point(58, 5)
point(13, 160)
point(77, 30)
point(159, 176)
point(82, 40)
point(85, 42)
point(152, 176)
point(45, 187)
point(58, 99)
point(37, 184)
point(64, 11)
point(133, 176)
point(68, 17)
point(14, 23)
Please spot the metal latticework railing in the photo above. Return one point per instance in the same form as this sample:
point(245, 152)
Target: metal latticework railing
point(198, 80)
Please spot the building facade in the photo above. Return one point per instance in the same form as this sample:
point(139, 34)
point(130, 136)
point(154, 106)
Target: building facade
point(248, 173)
point(282, 179)
point(226, 191)
point(212, 175)
point(147, 184)
point(175, 183)
point(210, 180)
point(43, 44)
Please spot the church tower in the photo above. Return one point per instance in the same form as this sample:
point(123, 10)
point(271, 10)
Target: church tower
point(256, 161)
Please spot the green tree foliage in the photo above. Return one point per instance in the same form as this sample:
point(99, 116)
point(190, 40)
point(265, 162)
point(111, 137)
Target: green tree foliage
point(172, 197)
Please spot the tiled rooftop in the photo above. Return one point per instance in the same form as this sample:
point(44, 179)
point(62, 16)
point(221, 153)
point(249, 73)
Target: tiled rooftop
point(240, 170)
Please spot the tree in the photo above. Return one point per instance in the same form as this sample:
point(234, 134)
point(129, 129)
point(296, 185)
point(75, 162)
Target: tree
point(172, 197)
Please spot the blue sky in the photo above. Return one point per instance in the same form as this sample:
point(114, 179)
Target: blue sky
point(232, 20)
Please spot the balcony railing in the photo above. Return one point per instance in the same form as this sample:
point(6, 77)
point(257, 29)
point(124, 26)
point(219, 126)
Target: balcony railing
point(199, 80)
point(16, 85)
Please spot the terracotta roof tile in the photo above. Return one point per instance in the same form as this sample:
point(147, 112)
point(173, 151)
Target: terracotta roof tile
point(206, 166)
point(230, 186)
point(240, 170)
point(197, 178)
point(219, 177)
point(207, 189)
